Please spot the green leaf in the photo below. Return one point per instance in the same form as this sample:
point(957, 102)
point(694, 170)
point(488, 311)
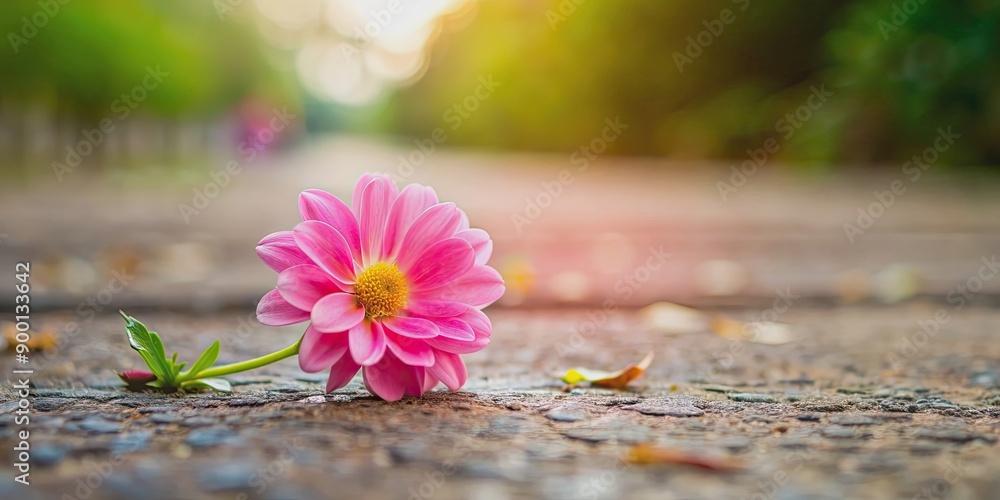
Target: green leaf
point(149, 346)
point(216, 384)
point(206, 360)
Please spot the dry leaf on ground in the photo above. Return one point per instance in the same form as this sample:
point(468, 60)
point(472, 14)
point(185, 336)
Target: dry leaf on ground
point(649, 454)
point(611, 380)
point(759, 332)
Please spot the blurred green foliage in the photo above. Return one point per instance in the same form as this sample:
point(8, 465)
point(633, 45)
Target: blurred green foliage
point(693, 81)
point(80, 56)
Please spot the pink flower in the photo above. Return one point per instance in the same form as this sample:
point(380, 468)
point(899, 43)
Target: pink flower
point(393, 285)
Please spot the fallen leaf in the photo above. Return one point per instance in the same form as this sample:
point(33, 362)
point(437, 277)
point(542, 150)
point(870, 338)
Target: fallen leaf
point(611, 380)
point(43, 340)
point(648, 454)
point(758, 332)
point(896, 283)
point(673, 319)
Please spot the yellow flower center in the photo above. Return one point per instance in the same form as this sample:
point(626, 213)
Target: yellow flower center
point(381, 289)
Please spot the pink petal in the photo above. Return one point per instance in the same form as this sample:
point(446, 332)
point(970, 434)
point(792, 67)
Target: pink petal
point(454, 328)
point(327, 247)
point(337, 312)
point(376, 200)
point(416, 328)
point(305, 284)
point(478, 321)
point(279, 251)
point(273, 310)
point(320, 351)
point(412, 202)
point(458, 346)
point(414, 352)
point(442, 263)
point(434, 225)
point(435, 308)
point(450, 369)
point(481, 243)
point(480, 287)
point(367, 342)
point(464, 224)
point(480, 326)
point(359, 189)
point(430, 381)
point(316, 204)
point(391, 379)
point(341, 373)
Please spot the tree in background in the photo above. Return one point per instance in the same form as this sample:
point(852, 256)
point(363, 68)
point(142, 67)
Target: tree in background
point(714, 79)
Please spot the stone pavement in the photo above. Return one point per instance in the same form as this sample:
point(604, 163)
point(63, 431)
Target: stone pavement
point(825, 417)
point(862, 405)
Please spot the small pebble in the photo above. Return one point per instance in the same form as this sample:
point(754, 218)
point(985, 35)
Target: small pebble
point(566, 414)
point(747, 397)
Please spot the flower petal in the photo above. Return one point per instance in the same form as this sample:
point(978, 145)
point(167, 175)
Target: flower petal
point(454, 328)
point(435, 308)
point(416, 328)
point(316, 204)
point(341, 373)
point(359, 188)
point(430, 381)
point(446, 344)
point(480, 326)
point(481, 243)
point(303, 285)
point(412, 202)
point(367, 342)
point(337, 312)
point(376, 201)
point(273, 310)
point(327, 248)
point(391, 379)
point(320, 351)
point(435, 224)
point(464, 224)
point(442, 263)
point(450, 369)
point(478, 321)
point(279, 251)
point(480, 287)
point(414, 352)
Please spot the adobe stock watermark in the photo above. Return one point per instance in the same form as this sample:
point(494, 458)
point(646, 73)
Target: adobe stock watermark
point(379, 19)
point(121, 108)
point(624, 289)
point(899, 17)
point(737, 348)
point(955, 469)
point(99, 472)
point(959, 296)
point(566, 8)
point(581, 158)
point(260, 479)
point(885, 199)
point(30, 26)
point(600, 485)
point(86, 311)
point(794, 461)
point(714, 28)
point(454, 116)
point(787, 126)
point(435, 480)
point(248, 150)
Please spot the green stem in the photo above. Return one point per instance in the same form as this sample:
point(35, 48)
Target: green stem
point(250, 364)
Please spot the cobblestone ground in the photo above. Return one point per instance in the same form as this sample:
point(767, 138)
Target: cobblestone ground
point(861, 405)
point(820, 418)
